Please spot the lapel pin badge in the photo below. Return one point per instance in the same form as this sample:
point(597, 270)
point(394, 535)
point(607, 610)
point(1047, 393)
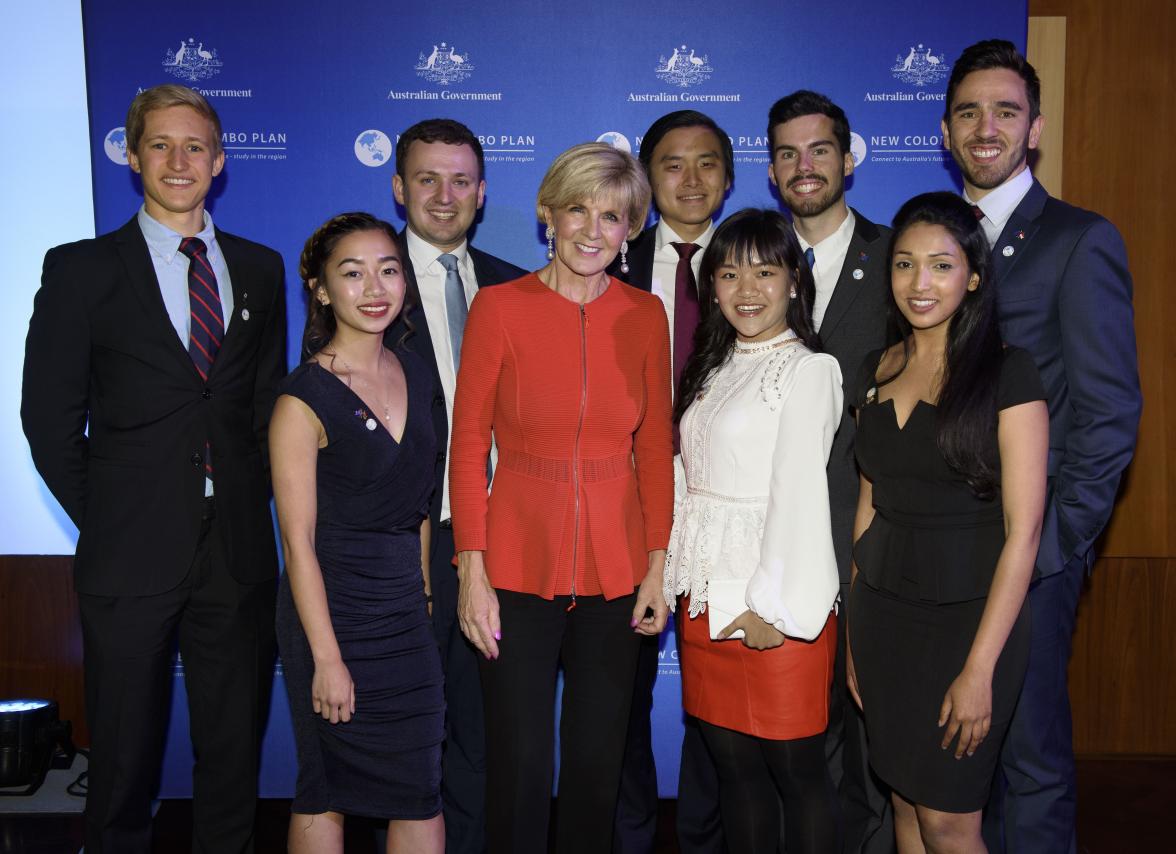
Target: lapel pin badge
point(244, 314)
point(858, 274)
point(1008, 251)
point(863, 257)
point(1020, 235)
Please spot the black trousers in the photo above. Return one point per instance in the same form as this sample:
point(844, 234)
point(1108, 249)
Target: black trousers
point(636, 821)
point(225, 631)
point(598, 651)
point(463, 764)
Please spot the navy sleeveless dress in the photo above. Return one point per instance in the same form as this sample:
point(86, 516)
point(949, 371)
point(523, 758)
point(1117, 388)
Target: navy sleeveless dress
point(372, 495)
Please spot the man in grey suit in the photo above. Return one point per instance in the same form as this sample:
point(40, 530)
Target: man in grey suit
point(810, 160)
point(440, 182)
point(1063, 294)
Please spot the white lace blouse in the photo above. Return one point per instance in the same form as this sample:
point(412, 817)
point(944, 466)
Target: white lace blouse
point(751, 514)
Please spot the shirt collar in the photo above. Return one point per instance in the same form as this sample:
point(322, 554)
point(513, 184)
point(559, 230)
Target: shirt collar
point(164, 241)
point(999, 205)
point(842, 235)
point(666, 235)
point(422, 253)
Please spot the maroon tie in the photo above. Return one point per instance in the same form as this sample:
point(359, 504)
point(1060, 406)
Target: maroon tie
point(979, 213)
point(207, 324)
point(686, 313)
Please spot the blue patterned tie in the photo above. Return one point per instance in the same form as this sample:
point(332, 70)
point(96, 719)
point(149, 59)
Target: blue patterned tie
point(811, 257)
point(205, 316)
point(455, 306)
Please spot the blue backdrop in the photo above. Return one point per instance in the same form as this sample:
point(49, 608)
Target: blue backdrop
point(311, 99)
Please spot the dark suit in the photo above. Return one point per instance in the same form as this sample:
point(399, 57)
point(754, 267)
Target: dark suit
point(117, 418)
point(700, 830)
point(854, 324)
point(1064, 294)
point(463, 777)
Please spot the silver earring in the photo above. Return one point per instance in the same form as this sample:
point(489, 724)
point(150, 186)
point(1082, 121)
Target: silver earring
point(550, 243)
point(624, 252)
point(792, 294)
point(715, 300)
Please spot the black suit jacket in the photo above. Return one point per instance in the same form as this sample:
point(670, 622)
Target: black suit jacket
point(117, 416)
point(853, 325)
point(1064, 294)
point(489, 270)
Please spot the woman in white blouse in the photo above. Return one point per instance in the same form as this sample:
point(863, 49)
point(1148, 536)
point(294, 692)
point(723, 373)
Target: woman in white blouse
point(751, 553)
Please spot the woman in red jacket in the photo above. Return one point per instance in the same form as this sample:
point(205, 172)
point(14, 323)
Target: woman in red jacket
point(568, 370)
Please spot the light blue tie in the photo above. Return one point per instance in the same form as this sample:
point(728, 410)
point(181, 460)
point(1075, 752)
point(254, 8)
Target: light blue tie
point(455, 306)
point(811, 257)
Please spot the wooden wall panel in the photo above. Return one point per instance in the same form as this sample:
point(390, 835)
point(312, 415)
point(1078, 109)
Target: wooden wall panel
point(40, 636)
point(1120, 120)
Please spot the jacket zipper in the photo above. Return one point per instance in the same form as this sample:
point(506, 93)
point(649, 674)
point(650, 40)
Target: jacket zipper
point(576, 445)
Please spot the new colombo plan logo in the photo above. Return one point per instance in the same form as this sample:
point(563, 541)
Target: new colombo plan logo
point(191, 62)
point(683, 69)
point(443, 65)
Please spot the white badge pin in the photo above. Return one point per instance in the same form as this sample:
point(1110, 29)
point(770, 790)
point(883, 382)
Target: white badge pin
point(1008, 251)
point(370, 424)
point(857, 273)
point(244, 314)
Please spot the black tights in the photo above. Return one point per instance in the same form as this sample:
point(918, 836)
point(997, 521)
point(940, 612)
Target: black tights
point(755, 774)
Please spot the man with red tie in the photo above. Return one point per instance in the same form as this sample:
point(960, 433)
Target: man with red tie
point(151, 363)
point(690, 165)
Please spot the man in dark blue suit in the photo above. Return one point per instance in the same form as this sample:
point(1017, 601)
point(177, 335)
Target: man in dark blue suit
point(152, 361)
point(439, 181)
point(690, 165)
point(1065, 296)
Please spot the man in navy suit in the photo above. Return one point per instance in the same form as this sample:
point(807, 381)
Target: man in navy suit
point(151, 365)
point(439, 182)
point(811, 160)
point(690, 165)
point(1064, 294)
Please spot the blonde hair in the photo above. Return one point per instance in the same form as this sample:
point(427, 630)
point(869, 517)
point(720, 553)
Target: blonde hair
point(162, 97)
point(592, 170)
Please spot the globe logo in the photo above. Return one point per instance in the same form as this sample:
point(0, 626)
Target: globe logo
point(373, 148)
point(857, 149)
point(115, 146)
point(617, 140)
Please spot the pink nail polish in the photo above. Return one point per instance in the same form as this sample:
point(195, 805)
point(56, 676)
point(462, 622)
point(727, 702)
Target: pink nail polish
point(498, 636)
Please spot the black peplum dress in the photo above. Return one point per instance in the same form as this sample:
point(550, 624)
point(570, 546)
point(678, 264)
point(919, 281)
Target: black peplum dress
point(925, 566)
point(372, 495)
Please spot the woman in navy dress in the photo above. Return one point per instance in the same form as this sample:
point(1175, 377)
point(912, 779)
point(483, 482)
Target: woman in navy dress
point(353, 454)
point(952, 441)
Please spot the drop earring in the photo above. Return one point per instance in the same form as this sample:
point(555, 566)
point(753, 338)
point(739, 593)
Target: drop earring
point(550, 243)
point(624, 252)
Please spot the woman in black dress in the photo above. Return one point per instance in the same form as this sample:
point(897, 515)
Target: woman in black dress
point(952, 443)
point(354, 454)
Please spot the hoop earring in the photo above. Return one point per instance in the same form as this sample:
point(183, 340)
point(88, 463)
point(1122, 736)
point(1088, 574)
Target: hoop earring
point(550, 243)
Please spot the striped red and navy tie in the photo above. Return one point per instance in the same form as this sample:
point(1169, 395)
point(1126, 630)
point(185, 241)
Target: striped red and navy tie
point(207, 323)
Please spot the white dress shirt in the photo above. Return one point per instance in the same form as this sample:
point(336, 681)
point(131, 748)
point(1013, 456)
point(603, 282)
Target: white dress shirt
point(430, 276)
point(830, 257)
point(999, 205)
point(752, 526)
point(665, 267)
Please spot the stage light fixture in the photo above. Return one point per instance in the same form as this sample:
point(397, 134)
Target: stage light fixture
point(30, 734)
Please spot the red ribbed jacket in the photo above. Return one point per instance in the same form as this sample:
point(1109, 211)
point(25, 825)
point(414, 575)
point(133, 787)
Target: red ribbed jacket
point(578, 399)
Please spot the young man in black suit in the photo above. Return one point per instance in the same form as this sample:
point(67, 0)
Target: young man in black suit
point(1064, 294)
point(690, 165)
point(440, 183)
point(809, 138)
point(151, 365)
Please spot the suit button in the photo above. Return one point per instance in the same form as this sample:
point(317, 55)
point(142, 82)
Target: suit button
point(196, 459)
point(441, 456)
point(438, 400)
point(206, 394)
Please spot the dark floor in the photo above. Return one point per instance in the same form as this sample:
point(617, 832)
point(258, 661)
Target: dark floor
point(1125, 805)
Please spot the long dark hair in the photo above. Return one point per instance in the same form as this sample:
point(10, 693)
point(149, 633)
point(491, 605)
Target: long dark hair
point(320, 319)
point(767, 236)
point(966, 418)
